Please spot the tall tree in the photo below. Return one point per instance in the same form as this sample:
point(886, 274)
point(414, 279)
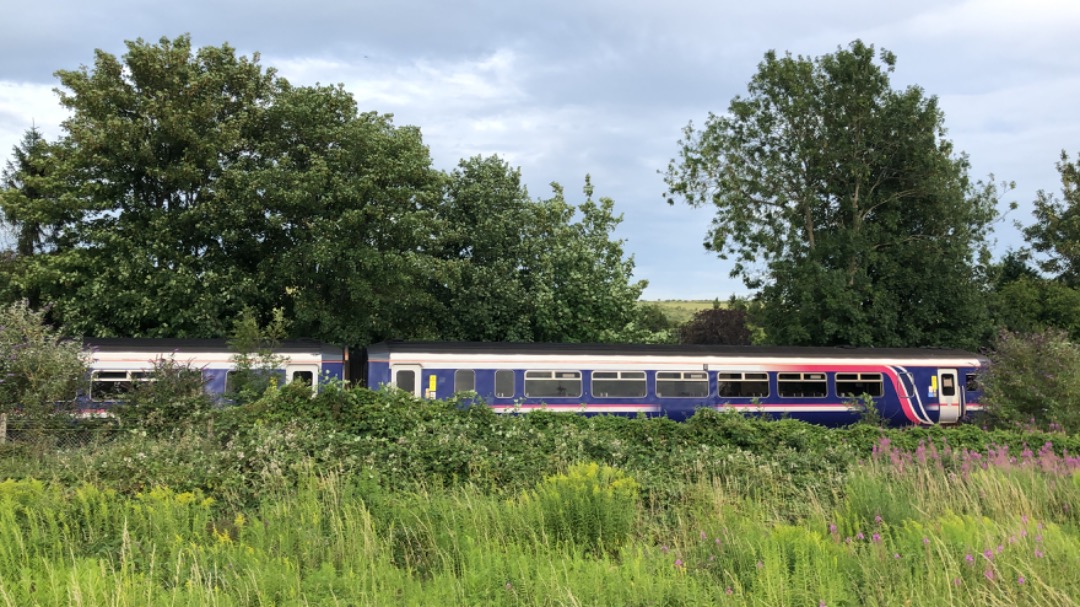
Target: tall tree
point(841, 200)
point(1056, 233)
point(198, 184)
point(520, 269)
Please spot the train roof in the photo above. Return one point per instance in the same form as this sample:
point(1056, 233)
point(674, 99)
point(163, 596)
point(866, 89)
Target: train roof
point(154, 344)
point(510, 349)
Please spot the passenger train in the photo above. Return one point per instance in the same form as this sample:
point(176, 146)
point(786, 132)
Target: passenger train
point(829, 386)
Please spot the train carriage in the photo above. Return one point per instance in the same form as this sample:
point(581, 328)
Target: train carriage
point(821, 385)
point(830, 386)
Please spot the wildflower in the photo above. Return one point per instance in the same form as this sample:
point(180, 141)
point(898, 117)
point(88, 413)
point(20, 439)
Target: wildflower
point(760, 564)
point(664, 549)
point(989, 574)
point(508, 585)
point(876, 538)
point(832, 528)
point(878, 520)
point(728, 590)
point(717, 541)
point(1039, 553)
point(956, 582)
point(678, 563)
point(821, 604)
point(896, 555)
point(999, 549)
point(1038, 539)
point(860, 536)
point(988, 554)
point(969, 558)
point(926, 541)
point(1020, 580)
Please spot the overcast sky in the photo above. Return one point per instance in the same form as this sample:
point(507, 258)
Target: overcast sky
point(562, 88)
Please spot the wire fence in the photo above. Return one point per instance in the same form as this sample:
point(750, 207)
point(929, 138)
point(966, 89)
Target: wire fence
point(70, 434)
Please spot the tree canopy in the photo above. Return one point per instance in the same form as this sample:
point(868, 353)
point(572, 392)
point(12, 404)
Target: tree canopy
point(191, 184)
point(840, 199)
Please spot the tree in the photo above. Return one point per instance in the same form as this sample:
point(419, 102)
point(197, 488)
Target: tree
point(1034, 378)
point(839, 198)
point(1056, 232)
point(719, 326)
point(198, 184)
point(518, 269)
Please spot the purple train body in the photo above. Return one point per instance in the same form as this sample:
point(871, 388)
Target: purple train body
point(829, 386)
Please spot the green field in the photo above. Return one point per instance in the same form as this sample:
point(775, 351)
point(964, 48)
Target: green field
point(681, 310)
point(361, 498)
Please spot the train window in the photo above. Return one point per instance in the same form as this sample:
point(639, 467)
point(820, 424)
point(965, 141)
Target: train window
point(464, 380)
point(971, 383)
point(802, 385)
point(682, 384)
point(504, 384)
point(858, 384)
point(305, 377)
point(742, 385)
point(406, 380)
point(948, 385)
point(109, 385)
point(552, 384)
point(619, 384)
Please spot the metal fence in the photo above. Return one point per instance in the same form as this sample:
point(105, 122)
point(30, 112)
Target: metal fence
point(70, 434)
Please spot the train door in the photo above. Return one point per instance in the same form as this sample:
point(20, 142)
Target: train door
point(302, 373)
point(950, 397)
point(407, 378)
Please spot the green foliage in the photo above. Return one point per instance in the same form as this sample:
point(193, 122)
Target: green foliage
point(40, 371)
point(592, 508)
point(720, 326)
point(1034, 379)
point(512, 268)
point(840, 199)
point(1031, 304)
point(172, 397)
point(1056, 233)
point(255, 363)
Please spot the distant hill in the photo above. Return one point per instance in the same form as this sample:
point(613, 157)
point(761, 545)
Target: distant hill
point(681, 310)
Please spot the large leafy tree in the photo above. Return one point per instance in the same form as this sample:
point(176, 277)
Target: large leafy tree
point(841, 200)
point(520, 269)
point(1056, 232)
point(198, 184)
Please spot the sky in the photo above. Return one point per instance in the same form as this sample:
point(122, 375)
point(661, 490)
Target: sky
point(562, 88)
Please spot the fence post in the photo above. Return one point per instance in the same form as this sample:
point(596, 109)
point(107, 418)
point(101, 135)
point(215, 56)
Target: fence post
point(3, 428)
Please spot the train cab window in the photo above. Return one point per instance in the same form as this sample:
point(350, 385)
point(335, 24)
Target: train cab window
point(406, 380)
point(504, 384)
point(464, 380)
point(552, 384)
point(619, 384)
point(971, 383)
point(305, 377)
point(948, 385)
point(682, 384)
point(802, 385)
point(742, 385)
point(858, 384)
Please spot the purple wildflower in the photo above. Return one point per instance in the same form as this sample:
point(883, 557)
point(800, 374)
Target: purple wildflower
point(876, 538)
point(1020, 580)
point(969, 558)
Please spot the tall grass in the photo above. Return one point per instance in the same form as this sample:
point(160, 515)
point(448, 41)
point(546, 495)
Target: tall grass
point(917, 527)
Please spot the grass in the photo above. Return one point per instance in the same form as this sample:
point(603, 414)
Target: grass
point(904, 527)
point(679, 311)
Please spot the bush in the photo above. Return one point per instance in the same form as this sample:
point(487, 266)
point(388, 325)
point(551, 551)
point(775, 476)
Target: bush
point(40, 372)
point(173, 398)
point(1034, 379)
point(591, 507)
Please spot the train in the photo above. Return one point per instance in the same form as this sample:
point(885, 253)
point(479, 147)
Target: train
point(827, 386)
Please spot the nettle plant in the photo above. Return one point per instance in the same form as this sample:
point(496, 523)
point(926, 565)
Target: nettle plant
point(40, 371)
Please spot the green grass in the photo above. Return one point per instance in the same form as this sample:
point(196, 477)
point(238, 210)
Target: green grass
point(901, 528)
point(679, 311)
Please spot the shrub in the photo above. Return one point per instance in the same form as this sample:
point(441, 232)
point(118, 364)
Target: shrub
point(40, 372)
point(173, 398)
point(591, 507)
point(1034, 379)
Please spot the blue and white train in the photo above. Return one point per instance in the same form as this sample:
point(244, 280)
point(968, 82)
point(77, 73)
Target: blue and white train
point(829, 386)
